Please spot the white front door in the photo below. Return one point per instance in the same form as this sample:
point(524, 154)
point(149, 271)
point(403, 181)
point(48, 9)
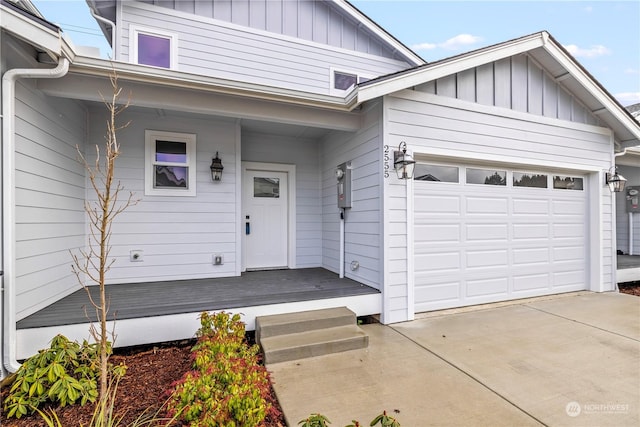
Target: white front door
point(265, 219)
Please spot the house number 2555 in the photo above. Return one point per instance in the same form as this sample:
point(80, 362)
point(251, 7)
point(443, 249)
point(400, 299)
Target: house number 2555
point(386, 160)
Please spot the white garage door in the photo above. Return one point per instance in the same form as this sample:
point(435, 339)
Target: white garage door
point(485, 234)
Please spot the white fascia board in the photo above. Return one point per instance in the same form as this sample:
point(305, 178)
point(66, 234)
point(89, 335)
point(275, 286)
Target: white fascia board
point(374, 28)
point(446, 68)
point(600, 95)
point(172, 78)
point(29, 31)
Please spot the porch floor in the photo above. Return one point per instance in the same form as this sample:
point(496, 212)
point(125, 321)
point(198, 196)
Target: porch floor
point(628, 268)
point(136, 300)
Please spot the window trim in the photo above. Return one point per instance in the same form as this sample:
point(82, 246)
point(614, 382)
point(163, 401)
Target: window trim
point(150, 137)
point(332, 79)
point(134, 30)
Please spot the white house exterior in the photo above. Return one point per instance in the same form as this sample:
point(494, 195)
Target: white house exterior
point(512, 142)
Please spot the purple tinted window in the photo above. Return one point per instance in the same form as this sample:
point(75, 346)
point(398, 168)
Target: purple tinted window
point(153, 50)
point(171, 152)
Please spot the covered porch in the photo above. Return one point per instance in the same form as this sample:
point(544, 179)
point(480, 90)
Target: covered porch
point(150, 312)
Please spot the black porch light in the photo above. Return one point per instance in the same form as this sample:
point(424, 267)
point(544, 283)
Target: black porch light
point(403, 163)
point(216, 168)
point(615, 181)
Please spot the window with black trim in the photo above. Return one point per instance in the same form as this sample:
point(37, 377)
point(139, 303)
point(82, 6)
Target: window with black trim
point(170, 163)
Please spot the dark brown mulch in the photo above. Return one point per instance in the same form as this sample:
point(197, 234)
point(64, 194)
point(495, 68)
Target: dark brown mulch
point(150, 373)
point(631, 288)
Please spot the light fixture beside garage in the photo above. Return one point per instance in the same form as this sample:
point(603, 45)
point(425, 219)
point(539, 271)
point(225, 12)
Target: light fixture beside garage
point(615, 181)
point(216, 168)
point(403, 162)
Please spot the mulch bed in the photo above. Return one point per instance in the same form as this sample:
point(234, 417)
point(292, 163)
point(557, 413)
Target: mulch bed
point(631, 288)
point(151, 370)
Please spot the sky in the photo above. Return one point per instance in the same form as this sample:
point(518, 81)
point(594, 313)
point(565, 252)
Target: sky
point(604, 36)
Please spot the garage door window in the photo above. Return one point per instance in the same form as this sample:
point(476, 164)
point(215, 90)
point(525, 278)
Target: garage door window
point(534, 180)
point(437, 173)
point(486, 176)
point(562, 182)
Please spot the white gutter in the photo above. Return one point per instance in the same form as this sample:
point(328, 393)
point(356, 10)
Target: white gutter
point(113, 31)
point(8, 199)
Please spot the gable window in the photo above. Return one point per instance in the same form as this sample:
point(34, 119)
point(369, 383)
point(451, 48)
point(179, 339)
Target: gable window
point(170, 164)
point(152, 47)
point(342, 81)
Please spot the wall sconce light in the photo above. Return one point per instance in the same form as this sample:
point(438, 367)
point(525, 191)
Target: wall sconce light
point(403, 162)
point(216, 168)
point(615, 181)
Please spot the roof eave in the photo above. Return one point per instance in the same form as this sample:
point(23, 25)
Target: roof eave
point(171, 78)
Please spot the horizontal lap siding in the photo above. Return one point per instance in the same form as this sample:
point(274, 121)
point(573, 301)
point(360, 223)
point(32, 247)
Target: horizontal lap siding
point(317, 21)
point(304, 153)
point(362, 221)
point(50, 218)
point(178, 235)
point(242, 54)
point(435, 125)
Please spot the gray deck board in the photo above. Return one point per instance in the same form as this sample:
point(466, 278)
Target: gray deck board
point(134, 300)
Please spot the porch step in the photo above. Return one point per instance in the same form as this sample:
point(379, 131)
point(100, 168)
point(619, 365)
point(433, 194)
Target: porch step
point(294, 336)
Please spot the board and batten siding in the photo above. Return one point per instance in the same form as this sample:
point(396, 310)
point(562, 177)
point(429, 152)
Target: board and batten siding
point(517, 83)
point(219, 49)
point(50, 190)
point(304, 154)
point(632, 174)
point(178, 235)
point(315, 21)
point(363, 240)
point(445, 128)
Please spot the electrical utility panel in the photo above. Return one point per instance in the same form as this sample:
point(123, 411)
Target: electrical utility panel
point(343, 175)
point(633, 197)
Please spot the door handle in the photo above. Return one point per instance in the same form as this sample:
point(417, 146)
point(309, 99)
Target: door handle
point(247, 228)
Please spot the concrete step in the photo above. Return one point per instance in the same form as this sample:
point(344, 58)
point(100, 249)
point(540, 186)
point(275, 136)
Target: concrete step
point(317, 342)
point(291, 323)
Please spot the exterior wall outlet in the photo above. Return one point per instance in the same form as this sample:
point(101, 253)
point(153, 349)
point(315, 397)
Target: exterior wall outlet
point(218, 259)
point(136, 255)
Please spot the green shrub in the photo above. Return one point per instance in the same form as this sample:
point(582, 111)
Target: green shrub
point(65, 373)
point(228, 386)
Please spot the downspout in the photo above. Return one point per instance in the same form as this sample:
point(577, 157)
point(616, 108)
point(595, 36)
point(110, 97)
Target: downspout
point(113, 30)
point(8, 199)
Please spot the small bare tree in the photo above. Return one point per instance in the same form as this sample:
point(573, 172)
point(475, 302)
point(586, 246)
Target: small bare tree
point(93, 263)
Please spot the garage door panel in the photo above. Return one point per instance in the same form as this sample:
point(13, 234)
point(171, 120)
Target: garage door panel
point(573, 278)
point(439, 261)
point(568, 230)
point(430, 205)
point(448, 233)
point(487, 232)
point(487, 287)
point(486, 258)
point(438, 292)
point(531, 256)
point(486, 205)
point(530, 207)
point(477, 243)
point(568, 253)
point(530, 231)
point(568, 207)
point(531, 282)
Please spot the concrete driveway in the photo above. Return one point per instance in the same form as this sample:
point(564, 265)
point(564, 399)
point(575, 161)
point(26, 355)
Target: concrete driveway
point(569, 360)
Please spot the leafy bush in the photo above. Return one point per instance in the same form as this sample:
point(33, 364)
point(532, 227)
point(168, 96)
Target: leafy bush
point(227, 386)
point(319, 420)
point(65, 373)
